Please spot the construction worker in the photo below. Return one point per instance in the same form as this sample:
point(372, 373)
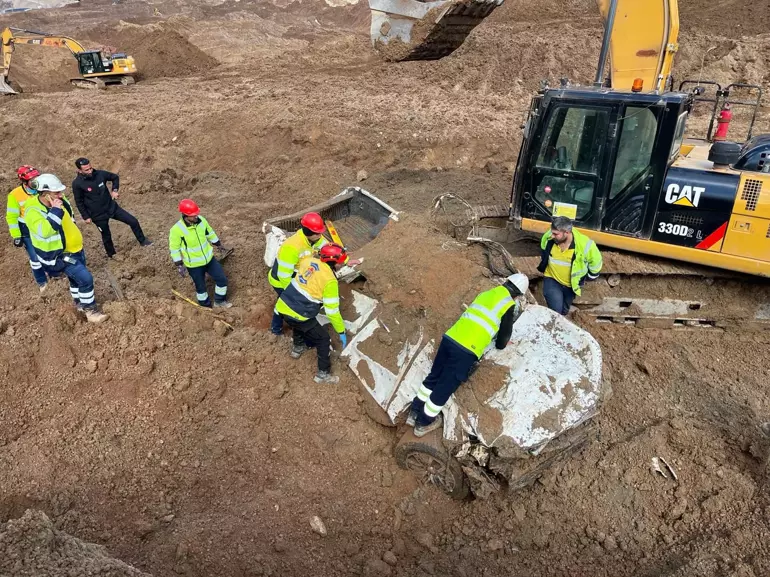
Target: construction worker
point(315, 285)
point(58, 242)
point(306, 241)
point(568, 258)
point(97, 204)
point(489, 317)
point(190, 242)
point(17, 226)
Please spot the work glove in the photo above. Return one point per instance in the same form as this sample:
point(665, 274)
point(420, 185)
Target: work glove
point(17, 242)
point(343, 340)
point(180, 268)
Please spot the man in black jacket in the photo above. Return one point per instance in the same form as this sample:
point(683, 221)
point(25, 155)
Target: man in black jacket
point(96, 203)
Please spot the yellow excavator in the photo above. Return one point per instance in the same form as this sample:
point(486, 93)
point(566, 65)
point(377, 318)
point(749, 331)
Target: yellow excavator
point(98, 68)
point(613, 157)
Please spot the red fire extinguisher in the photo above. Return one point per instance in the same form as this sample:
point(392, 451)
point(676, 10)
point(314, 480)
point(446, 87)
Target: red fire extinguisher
point(723, 122)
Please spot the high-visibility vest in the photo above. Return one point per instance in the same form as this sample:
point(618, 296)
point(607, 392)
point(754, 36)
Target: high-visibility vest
point(14, 212)
point(294, 248)
point(479, 324)
point(52, 231)
point(314, 286)
point(586, 262)
point(191, 245)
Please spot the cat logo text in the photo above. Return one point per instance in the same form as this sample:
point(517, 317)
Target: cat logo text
point(684, 195)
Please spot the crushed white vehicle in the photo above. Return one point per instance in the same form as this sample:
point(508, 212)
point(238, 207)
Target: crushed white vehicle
point(524, 408)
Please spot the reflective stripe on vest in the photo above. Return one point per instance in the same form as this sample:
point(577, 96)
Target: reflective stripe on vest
point(479, 324)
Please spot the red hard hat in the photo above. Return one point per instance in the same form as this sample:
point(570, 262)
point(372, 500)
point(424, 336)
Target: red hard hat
point(188, 207)
point(27, 173)
point(314, 222)
point(333, 253)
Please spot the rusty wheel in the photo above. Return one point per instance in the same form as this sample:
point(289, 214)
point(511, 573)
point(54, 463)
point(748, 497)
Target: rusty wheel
point(432, 465)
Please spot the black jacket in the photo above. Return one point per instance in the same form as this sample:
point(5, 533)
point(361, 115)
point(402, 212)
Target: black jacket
point(92, 196)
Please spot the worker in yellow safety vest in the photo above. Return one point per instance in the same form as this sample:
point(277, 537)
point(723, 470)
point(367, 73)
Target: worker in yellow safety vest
point(306, 241)
point(190, 242)
point(17, 225)
point(315, 285)
point(59, 244)
point(568, 258)
point(489, 317)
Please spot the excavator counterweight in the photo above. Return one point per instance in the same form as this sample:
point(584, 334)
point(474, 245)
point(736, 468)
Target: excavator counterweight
point(412, 30)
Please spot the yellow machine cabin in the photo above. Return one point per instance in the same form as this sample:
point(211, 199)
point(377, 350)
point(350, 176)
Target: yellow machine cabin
point(614, 158)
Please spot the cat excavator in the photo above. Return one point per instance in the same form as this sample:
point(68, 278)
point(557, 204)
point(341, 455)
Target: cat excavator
point(614, 158)
point(98, 68)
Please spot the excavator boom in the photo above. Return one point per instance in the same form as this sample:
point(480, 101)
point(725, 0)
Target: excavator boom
point(642, 39)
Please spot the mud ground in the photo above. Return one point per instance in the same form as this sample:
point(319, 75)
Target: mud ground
point(186, 449)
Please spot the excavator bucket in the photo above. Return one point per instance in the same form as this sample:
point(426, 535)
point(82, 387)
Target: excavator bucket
point(412, 30)
point(5, 88)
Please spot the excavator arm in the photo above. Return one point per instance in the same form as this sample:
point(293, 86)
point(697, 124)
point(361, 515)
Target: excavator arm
point(12, 36)
point(640, 39)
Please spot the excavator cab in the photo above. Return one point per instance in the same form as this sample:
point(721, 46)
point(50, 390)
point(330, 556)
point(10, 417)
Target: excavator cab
point(92, 62)
point(598, 157)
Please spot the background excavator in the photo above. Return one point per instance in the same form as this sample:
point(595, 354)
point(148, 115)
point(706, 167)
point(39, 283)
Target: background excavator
point(614, 158)
point(97, 67)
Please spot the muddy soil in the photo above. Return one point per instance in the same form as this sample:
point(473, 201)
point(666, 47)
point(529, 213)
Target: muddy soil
point(184, 447)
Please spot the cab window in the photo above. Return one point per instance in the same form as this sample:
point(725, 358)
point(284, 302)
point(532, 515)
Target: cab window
point(570, 157)
point(637, 140)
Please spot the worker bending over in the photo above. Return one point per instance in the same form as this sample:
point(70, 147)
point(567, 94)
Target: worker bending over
point(58, 242)
point(190, 242)
point(301, 244)
point(315, 285)
point(568, 258)
point(489, 317)
point(17, 225)
point(306, 241)
point(98, 204)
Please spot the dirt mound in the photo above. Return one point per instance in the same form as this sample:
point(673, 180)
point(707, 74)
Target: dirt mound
point(432, 282)
point(42, 69)
point(159, 50)
point(32, 547)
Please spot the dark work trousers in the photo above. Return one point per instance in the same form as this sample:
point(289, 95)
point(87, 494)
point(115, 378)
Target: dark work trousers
point(451, 368)
point(103, 224)
point(557, 296)
point(73, 265)
point(276, 326)
point(312, 334)
point(198, 276)
point(37, 269)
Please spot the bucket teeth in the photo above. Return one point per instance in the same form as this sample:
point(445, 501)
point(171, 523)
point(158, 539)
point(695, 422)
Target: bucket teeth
point(412, 30)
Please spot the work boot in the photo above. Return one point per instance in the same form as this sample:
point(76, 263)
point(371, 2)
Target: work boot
point(422, 430)
point(146, 242)
point(326, 377)
point(222, 305)
point(79, 308)
point(93, 316)
point(297, 350)
point(43, 288)
point(411, 418)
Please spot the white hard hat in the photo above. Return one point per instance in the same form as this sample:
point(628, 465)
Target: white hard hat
point(520, 281)
point(47, 183)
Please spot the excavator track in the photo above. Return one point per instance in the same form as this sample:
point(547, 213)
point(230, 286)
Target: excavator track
point(633, 290)
point(650, 293)
point(413, 30)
